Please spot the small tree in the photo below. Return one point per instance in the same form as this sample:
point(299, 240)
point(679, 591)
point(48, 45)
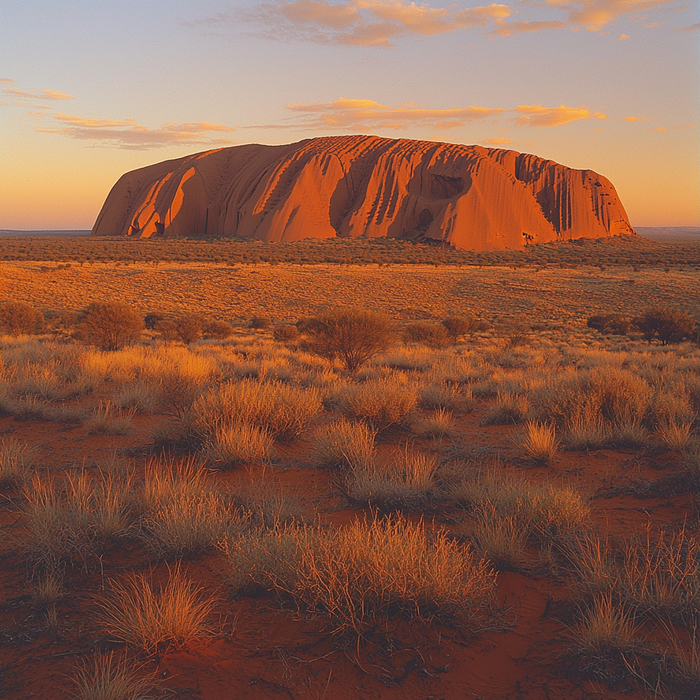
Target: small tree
point(18, 318)
point(351, 335)
point(189, 328)
point(110, 325)
point(666, 324)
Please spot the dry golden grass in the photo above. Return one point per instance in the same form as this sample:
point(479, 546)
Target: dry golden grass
point(16, 461)
point(438, 424)
point(372, 571)
point(108, 678)
point(501, 539)
point(382, 403)
point(71, 520)
point(653, 575)
point(344, 444)
point(507, 408)
point(186, 525)
point(361, 575)
point(676, 436)
point(544, 510)
point(605, 627)
point(539, 441)
point(239, 444)
point(154, 618)
point(106, 420)
point(282, 410)
point(405, 480)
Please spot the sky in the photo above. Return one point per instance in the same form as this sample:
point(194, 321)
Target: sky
point(91, 89)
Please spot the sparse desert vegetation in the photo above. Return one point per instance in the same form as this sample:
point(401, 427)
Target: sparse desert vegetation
point(499, 508)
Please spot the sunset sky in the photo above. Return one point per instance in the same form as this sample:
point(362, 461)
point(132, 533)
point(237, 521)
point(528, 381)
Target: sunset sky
point(90, 89)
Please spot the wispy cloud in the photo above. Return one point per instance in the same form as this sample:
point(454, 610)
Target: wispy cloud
point(692, 28)
point(354, 114)
point(129, 134)
point(537, 115)
point(637, 119)
point(380, 23)
point(370, 23)
point(42, 94)
point(367, 115)
point(595, 15)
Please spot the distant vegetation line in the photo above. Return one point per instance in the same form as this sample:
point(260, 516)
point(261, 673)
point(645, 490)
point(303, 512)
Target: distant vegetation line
point(618, 251)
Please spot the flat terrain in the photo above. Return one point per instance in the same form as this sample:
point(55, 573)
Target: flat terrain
point(638, 483)
point(406, 292)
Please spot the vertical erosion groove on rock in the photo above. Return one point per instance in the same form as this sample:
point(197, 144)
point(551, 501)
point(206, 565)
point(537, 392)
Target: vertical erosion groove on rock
point(467, 197)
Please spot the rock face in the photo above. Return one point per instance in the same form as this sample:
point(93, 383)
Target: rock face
point(465, 196)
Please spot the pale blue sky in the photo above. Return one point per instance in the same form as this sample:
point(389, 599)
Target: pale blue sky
point(93, 89)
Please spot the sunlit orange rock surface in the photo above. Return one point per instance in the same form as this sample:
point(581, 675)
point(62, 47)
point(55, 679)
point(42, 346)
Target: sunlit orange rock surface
point(466, 196)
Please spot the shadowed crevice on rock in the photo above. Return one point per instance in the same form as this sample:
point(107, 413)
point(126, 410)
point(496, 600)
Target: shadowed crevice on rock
point(466, 197)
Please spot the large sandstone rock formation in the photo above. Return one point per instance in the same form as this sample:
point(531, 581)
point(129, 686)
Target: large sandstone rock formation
point(466, 196)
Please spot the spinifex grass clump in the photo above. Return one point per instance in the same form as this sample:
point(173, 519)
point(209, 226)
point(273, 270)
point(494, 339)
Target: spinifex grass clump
point(511, 512)
point(239, 444)
point(109, 678)
point(382, 403)
point(657, 575)
point(361, 576)
point(282, 410)
point(606, 627)
point(69, 520)
point(405, 480)
point(152, 617)
point(184, 513)
point(344, 444)
point(507, 408)
point(15, 462)
point(539, 441)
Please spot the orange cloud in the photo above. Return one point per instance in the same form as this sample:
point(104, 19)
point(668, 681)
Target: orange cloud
point(595, 15)
point(131, 135)
point(38, 94)
point(497, 142)
point(637, 119)
point(354, 114)
point(503, 28)
point(373, 23)
point(537, 115)
point(379, 23)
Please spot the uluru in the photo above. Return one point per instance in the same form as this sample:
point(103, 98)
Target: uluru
point(467, 197)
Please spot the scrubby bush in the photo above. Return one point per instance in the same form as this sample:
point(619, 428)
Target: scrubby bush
point(460, 326)
point(285, 334)
point(260, 322)
point(110, 325)
point(218, 330)
point(18, 318)
point(617, 324)
point(433, 335)
point(665, 324)
point(353, 336)
point(189, 327)
point(152, 320)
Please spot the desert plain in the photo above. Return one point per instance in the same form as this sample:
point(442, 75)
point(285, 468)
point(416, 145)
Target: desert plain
point(508, 513)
